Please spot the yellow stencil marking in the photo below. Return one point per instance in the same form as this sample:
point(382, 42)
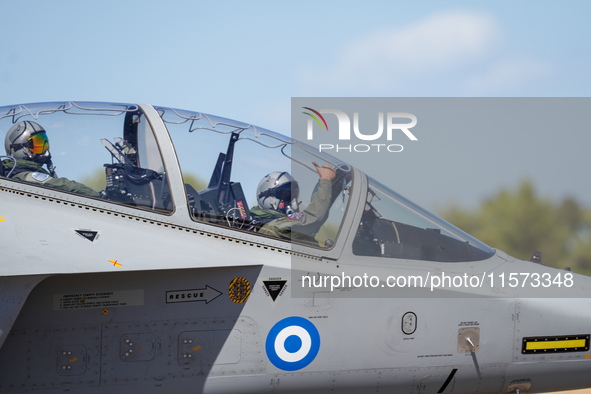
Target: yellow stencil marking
point(115, 263)
point(567, 344)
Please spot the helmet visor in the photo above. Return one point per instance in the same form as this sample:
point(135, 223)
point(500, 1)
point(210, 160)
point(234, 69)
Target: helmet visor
point(287, 191)
point(39, 143)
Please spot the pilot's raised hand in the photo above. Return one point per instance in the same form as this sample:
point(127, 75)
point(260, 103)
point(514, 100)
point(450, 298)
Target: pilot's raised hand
point(325, 172)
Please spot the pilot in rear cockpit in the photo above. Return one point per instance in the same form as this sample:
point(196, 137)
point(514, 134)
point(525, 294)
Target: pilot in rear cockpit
point(27, 142)
point(278, 210)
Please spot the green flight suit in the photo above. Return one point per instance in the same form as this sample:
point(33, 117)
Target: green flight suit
point(32, 172)
point(301, 226)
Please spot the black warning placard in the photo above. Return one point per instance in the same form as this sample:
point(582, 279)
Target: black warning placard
point(90, 235)
point(98, 299)
point(274, 287)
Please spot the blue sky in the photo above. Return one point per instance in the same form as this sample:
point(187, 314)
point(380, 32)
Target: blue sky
point(245, 60)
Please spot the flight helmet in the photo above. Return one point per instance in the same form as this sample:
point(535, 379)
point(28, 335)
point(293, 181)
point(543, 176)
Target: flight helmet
point(27, 141)
point(278, 191)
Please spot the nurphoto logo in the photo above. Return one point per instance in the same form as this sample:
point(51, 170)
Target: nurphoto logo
point(392, 125)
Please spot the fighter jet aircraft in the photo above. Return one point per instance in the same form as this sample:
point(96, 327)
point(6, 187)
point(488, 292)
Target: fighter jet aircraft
point(155, 250)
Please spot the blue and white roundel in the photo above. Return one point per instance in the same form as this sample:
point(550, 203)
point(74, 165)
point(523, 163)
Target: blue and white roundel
point(292, 343)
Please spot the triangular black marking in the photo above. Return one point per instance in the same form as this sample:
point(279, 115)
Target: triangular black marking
point(89, 235)
point(274, 287)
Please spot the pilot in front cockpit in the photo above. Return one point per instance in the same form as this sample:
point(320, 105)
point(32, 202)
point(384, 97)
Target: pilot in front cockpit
point(278, 210)
point(27, 142)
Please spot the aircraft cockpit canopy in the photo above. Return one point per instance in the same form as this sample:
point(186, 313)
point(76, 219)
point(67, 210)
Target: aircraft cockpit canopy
point(233, 176)
point(392, 226)
point(114, 153)
point(129, 171)
point(224, 164)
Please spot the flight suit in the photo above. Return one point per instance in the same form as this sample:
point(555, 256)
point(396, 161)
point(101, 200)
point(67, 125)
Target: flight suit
point(301, 226)
point(32, 172)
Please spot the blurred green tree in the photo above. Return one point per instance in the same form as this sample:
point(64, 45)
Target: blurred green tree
point(520, 222)
point(581, 254)
point(96, 181)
